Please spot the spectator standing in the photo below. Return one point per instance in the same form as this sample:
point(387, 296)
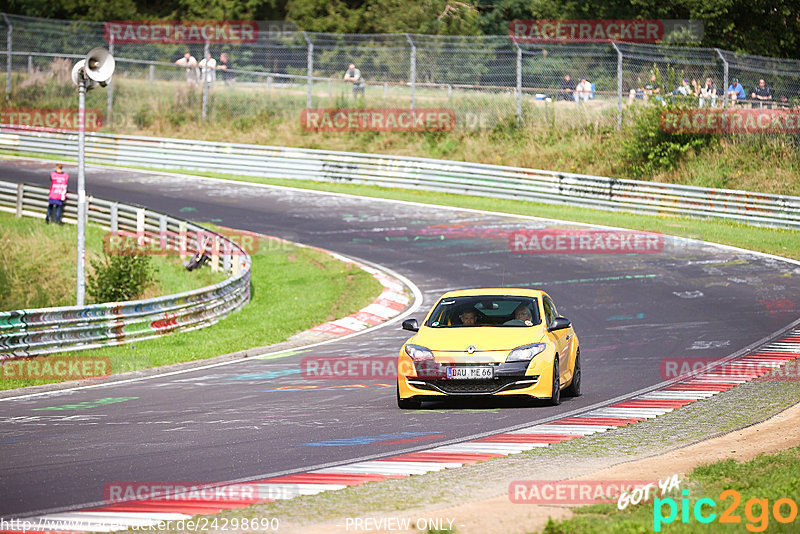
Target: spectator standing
point(225, 66)
point(208, 66)
point(736, 91)
point(58, 194)
point(583, 90)
point(189, 61)
point(565, 89)
point(708, 92)
point(353, 75)
point(762, 93)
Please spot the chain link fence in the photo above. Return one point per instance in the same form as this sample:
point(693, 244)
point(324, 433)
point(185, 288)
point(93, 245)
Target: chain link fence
point(483, 79)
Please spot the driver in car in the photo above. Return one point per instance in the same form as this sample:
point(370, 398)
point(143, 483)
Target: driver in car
point(469, 318)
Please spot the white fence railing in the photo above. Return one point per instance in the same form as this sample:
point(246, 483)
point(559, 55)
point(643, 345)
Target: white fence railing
point(32, 332)
point(477, 179)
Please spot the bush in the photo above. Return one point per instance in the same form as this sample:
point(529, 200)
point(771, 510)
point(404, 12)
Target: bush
point(650, 150)
point(120, 277)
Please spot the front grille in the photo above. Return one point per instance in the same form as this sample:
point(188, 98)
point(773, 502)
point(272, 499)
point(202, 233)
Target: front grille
point(466, 387)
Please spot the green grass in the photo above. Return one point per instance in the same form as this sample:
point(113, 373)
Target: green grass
point(38, 263)
point(770, 477)
point(292, 288)
point(557, 136)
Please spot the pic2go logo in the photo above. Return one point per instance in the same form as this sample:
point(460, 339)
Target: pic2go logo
point(756, 511)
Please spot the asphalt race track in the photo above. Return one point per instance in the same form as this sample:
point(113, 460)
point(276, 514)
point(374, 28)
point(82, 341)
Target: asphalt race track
point(630, 311)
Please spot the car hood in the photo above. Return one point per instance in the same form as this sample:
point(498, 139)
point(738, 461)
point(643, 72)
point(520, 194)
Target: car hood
point(483, 338)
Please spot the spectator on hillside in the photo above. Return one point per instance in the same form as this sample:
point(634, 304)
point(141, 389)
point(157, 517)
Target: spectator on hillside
point(58, 194)
point(736, 91)
point(225, 66)
point(189, 61)
point(684, 89)
point(762, 92)
point(708, 92)
point(649, 89)
point(783, 101)
point(353, 75)
point(565, 89)
point(583, 91)
point(208, 66)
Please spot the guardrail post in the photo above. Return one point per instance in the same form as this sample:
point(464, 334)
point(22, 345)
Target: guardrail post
point(519, 84)
point(182, 240)
point(140, 214)
point(152, 73)
point(110, 102)
point(30, 64)
point(20, 195)
point(310, 69)
point(215, 254)
point(413, 73)
point(235, 265)
point(619, 85)
point(9, 40)
point(162, 230)
point(724, 78)
point(449, 91)
point(385, 90)
point(330, 88)
point(113, 224)
point(226, 258)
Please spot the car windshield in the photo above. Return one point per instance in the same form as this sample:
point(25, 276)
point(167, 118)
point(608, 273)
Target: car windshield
point(458, 312)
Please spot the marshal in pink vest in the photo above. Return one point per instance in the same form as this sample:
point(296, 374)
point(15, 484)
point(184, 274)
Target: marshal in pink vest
point(58, 185)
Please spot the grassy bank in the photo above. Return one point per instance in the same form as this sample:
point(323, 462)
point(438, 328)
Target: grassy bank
point(765, 479)
point(292, 289)
point(38, 262)
point(557, 136)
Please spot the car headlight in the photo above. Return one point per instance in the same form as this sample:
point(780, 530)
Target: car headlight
point(526, 352)
point(419, 353)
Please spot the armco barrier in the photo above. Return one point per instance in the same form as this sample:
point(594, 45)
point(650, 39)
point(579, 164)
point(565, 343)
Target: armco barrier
point(26, 333)
point(417, 173)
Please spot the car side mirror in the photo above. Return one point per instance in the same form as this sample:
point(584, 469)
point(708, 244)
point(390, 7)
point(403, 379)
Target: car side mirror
point(559, 323)
point(411, 324)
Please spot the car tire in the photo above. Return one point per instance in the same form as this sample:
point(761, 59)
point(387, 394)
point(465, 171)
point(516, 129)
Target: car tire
point(574, 389)
point(407, 404)
point(555, 392)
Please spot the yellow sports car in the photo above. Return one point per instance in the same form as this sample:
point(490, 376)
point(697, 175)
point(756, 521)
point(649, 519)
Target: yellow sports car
point(478, 342)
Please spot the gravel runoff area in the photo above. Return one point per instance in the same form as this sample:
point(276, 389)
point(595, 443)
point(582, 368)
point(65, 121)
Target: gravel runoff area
point(451, 494)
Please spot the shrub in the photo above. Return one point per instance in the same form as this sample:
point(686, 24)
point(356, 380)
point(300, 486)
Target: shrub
point(650, 150)
point(119, 277)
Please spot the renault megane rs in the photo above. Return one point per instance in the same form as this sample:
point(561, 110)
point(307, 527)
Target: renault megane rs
point(489, 342)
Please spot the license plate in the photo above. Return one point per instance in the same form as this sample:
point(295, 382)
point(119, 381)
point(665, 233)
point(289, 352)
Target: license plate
point(470, 373)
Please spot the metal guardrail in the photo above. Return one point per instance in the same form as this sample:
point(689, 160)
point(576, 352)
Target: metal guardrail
point(477, 179)
point(25, 333)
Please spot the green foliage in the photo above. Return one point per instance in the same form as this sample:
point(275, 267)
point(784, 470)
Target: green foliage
point(650, 150)
point(119, 277)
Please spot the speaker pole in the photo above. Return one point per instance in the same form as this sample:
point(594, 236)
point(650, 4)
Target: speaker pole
point(81, 282)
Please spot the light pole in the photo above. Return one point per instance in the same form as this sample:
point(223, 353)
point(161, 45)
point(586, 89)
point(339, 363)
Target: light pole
point(97, 67)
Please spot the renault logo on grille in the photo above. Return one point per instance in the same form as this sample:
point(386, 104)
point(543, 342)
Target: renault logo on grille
point(470, 349)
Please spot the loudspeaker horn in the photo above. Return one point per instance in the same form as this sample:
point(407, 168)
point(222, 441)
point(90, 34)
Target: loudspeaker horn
point(99, 65)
